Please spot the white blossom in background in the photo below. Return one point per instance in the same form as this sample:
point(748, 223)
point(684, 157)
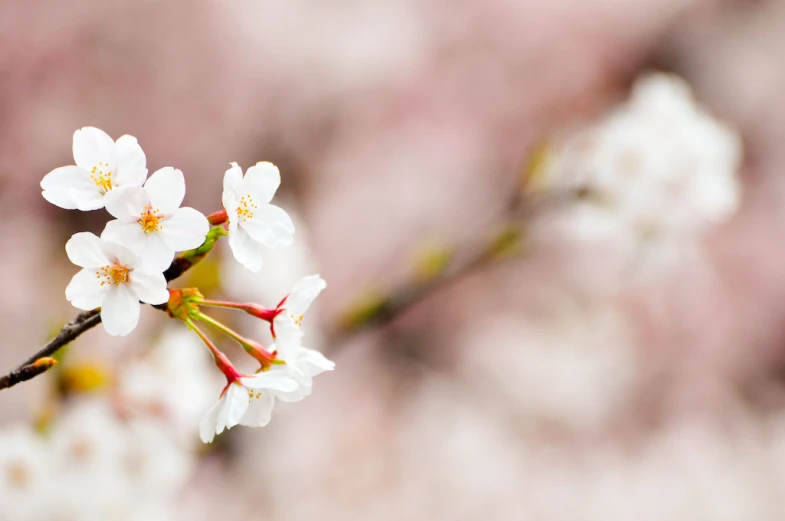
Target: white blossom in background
point(113, 279)
point(246, 399)
point(92, 465)
point(253, 222)
point(659, 163)
point(173, 380)
point(102, 166)
point(150, 222)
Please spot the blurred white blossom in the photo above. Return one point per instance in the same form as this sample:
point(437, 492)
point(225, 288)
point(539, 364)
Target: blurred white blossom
point(660, 163)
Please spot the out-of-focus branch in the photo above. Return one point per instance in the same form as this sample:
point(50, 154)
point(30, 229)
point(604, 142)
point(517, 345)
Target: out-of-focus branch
point(86, 320)
point(506, 240)
point(380, 308)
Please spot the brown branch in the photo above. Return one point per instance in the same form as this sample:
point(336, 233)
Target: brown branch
point(87, 320)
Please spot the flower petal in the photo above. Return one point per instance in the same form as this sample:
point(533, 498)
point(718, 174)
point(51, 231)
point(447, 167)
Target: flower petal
point(233, 181)
point(149, 287)
point(185, 230)
point(314, 363)
point(155, 256)
point(128, 234)
point(120, 310)
point(304, 293)
point(127, 203)
point(271, 226)
point(60, 184)
point(208, 426)
point(85, 290)
point(245, 250)
point(93, 146)
point(166, 189)
point(131, 162)
point(235, 405)
point(259, 412)
point(278, 380)
point(86, 250)
point(117, 253)
point(261, 181)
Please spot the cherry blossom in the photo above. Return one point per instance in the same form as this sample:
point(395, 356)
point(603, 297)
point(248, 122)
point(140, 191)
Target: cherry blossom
point(292, 308)
point(102, 166)
point(246, 400)
point(252, 221)
point(113, 279)
point(150, 222)
point(302, 362)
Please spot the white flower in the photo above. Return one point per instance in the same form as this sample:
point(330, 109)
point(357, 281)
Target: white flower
point(113, 280)
point(246, 400)
point(302, 363)
point(293, 307)
point(150, 221)
point(253, 222)
point(102, 165)
point(660, 163)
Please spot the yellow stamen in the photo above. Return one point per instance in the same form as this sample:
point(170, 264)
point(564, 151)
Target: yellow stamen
point(246, 207)
point(102, 177)
point(115, 274)
point(150, 219)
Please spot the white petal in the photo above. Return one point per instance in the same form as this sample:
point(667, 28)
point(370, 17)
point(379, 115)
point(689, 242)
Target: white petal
point(117, 253)
point(209, 424)
point(85, 290)
point(233, 181)
point(127, 203)
point(230, 204)
point(246, 250)
point(120, 310)
point(278, 380)
point(303, 294)
point(128, 234)
point(261, 181)
point(88, 201)
point(288, 336)
point(271, 226)
point(166, 188)
point(303, 390)
point(131, 162)
point(185, 230)
point(155, 256)
point(93, 146)
point(149, 287)
point(60, 184)
point(259, 412)
point(86, 250)
point(235, 405)
point(314, 363)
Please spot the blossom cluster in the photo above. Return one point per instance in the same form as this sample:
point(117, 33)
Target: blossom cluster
point(660, 164)
point(127, 264)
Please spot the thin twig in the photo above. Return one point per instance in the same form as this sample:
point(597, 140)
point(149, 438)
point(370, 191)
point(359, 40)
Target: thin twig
point(83, 322)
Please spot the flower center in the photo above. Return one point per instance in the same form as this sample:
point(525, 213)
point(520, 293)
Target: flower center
point(18, 474)
point(252, 393)
point(150, 219)
point(245, 208)
point(102, 177)
point(298, 320)
point(115, 274)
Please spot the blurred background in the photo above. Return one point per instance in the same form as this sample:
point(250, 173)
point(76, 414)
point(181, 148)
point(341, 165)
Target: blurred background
point(555, 274)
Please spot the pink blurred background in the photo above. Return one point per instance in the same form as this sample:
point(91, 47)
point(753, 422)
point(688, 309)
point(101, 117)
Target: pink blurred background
point(544, 386)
